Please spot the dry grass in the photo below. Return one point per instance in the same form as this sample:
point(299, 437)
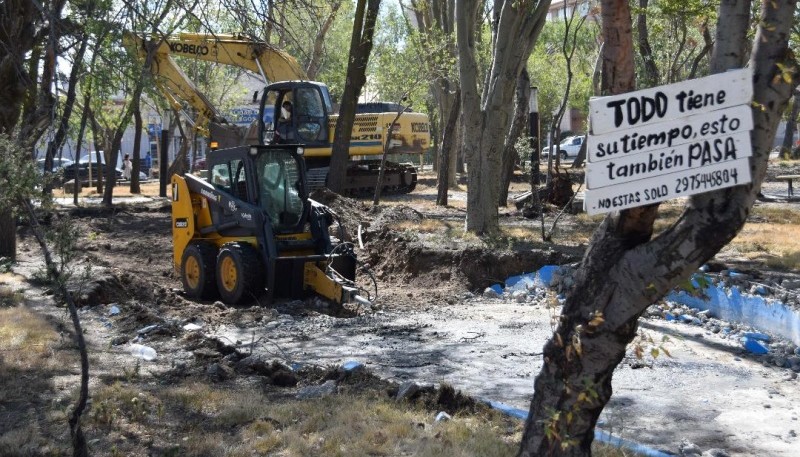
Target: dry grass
point(207, 420)
point(198, 419)
point(26, 340)
point(27, 363)
point(776, 245)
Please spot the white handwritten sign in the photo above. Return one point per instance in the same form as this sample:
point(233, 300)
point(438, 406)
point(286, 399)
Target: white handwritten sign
point(673, 101)
point(670, 141)
point(666, 187)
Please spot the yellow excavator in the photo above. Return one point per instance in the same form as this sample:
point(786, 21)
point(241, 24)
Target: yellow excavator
point(292, 110)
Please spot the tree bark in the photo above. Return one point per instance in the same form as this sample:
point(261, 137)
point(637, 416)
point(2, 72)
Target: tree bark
point(651, 72)
point(791, 124)
point(18, 19)
point(360, 49)
point(510, 157)
point(731, 45)
point(618, 71)
point(448, 141)
point(624, 271)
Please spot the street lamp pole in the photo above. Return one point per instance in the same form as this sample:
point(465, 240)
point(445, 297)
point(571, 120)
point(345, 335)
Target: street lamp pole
point(534, 134)
point(163, 160)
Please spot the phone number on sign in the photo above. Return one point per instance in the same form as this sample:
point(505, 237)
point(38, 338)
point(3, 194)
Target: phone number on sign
point(709, 180)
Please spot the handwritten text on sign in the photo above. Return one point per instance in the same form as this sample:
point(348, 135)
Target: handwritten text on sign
point(673, 101)
point(662, 135)
point(670, 141)
point(682, 157)
point(666, 187)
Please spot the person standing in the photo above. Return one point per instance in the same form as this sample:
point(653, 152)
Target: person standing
point(127, 167)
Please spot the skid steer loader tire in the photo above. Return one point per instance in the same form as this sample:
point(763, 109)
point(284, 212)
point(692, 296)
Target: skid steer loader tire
point(240, 274)
point(198, 268)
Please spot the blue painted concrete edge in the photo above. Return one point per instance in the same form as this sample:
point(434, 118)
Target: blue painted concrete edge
point(725, 303)
point(599, 435)
point(732, 305)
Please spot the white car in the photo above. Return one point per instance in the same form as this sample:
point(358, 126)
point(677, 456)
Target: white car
point(567, 149)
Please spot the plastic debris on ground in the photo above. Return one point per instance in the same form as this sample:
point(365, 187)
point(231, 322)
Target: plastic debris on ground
point(754, 346)
point(143, 352)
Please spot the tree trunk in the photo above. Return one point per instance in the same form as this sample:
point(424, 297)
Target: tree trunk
point(180, 165)
point(435, 21)
point(17, 24)
point(79, 143)
point(360, 49)
point(730, 47)
point(138, 124)
point(624, 271)
point(651, 73)
point(8, 232)
point(791, 124)
point(69, 102)
point(319, 41)
point(448, 141)
point(510, 157)
point(111, 167)
point(487, 117)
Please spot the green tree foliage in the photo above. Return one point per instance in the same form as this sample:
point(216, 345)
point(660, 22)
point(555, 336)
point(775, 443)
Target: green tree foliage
point(680, 35)
point(18, 175)
point(396, 69)
point(547, 68)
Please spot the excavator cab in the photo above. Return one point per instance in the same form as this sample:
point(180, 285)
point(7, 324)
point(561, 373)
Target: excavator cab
point(295, 112)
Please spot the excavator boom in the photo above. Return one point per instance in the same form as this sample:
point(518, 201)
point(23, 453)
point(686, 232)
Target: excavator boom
point(261, 58)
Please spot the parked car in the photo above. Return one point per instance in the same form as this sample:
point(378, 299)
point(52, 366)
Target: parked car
point(568, 148)
point(83, 171)
point(83, 168)
point(57, 164)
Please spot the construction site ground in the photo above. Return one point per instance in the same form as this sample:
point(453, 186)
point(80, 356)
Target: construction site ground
point(431, 322)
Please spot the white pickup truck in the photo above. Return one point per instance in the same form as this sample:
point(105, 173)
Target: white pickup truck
point(568, 148)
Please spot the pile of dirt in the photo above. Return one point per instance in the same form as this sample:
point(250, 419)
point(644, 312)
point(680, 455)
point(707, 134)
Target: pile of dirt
point(348, 212)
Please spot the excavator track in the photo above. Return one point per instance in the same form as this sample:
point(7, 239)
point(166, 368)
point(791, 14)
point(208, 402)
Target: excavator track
point(362, 176)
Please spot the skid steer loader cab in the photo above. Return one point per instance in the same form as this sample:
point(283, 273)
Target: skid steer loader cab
point(254, 230)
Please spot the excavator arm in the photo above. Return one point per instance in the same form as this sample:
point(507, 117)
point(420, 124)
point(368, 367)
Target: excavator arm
point(175, 86)
point(261, 58)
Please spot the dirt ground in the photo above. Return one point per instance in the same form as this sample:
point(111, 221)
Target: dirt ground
point(429, 322)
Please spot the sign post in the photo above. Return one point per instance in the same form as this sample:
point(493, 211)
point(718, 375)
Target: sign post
point(669, 141)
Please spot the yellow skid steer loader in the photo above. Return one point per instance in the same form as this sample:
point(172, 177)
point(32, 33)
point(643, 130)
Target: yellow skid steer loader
point(250, 227)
